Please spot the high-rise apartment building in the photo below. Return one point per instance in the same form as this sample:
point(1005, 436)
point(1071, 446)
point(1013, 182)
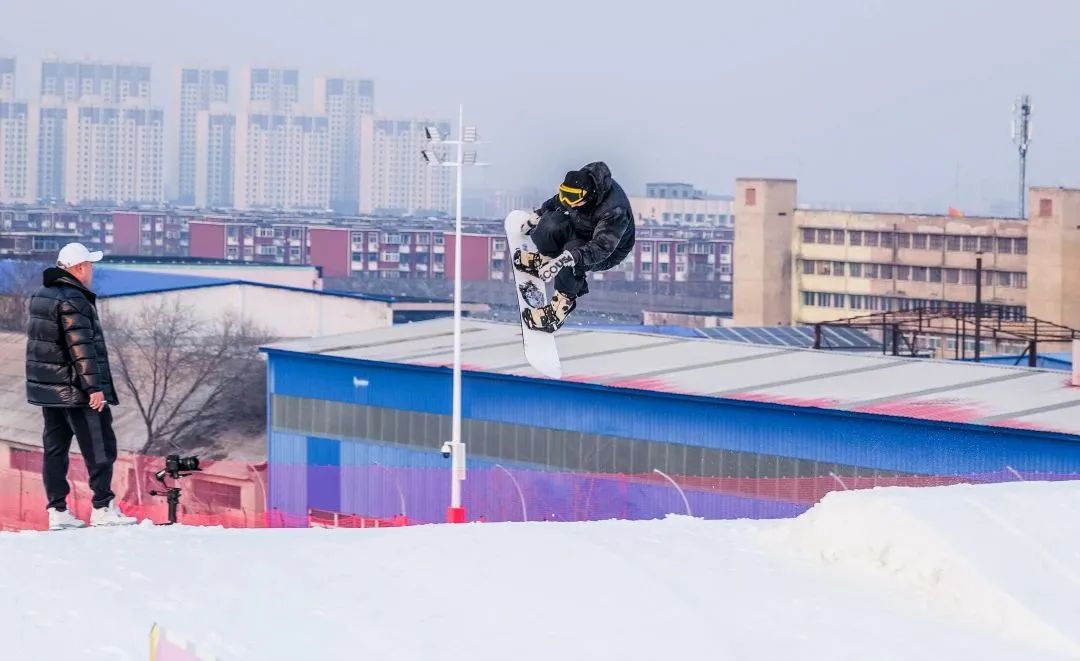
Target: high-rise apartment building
point(282, 161)
point(198, 90)
point(107, 83)
point(103, 109)
point(7, 79)
point(270, 90)
point(18, 169)
point(215, 153)
point(18, 136)
point(113, 154)
point(344, 101)
point(394, 178)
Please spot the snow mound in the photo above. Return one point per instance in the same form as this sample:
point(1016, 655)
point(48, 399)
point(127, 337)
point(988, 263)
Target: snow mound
point(1005, 555)
point(678, 588)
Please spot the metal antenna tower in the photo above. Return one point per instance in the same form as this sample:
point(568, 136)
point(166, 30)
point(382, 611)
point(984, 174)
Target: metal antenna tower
point(1021, 135)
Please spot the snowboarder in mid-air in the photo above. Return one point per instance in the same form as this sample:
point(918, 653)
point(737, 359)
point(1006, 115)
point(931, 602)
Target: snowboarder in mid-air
point(586, 226)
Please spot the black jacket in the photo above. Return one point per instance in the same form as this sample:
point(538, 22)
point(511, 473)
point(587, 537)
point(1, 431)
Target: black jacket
point(606, 222)
point(66, 358)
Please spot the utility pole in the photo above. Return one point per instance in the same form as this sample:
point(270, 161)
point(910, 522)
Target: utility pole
point(1021, 135)
point(978, 305)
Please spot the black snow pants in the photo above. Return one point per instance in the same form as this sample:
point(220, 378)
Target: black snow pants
point(97, 442)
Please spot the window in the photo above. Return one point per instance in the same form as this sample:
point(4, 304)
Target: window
point(1020, 246)
point(824, 236)
point(808, 266)
point(971, 244)
point(967, 277)
point(903, 273)
point(665, 247)
point(1004, 246)
point(1004, 279)
point(296, 233)
point(750, 197)
point(855, 270)
point(663, 267)
point(952, 276)
point(886, 239)
point(390, 257)
point(886, 271)
point(646, 247)
point(808, 298)
point(903, 240)
point(952, 244)
point(918, 273)
point(918, 241)
point(872, 239)
point(646, 267)
point(1046, 208)
point(1019, 280)
point(935, 275)
point(440, 239)
point(498, 244)
point(986, 243)
point(680, 249)
point(838, 237)
point(936, 242)
point(808, 235)
point(823, 300)
point(871, 270)
point(838, 268)
point(824, 268)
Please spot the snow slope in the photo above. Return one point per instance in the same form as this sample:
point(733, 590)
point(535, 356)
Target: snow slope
point(985, 572)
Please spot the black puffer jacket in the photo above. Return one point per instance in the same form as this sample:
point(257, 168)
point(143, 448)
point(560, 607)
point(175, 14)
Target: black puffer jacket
point(66, 358)
point(606, 222)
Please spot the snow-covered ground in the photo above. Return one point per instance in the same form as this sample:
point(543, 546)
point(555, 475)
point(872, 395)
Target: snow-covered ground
point(963, 572)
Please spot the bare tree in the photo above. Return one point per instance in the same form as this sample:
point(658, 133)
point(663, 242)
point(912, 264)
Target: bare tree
point(18, 281)
point(191, 381)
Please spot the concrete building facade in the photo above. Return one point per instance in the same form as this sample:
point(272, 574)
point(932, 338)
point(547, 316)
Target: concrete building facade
point(797, 265)
point(683, 205)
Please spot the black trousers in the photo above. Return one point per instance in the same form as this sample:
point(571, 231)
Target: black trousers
point(552, 235)
point(97, 442)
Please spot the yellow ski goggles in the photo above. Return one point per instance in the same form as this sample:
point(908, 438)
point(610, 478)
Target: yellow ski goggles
point(571, 197)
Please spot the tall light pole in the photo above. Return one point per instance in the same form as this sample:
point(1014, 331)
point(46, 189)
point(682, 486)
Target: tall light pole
point(1021, 135)
point(466, 135)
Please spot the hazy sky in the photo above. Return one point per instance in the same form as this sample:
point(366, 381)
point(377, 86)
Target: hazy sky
point(869, 103)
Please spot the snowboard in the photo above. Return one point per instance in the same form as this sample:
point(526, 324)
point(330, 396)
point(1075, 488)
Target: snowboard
point(540, 348)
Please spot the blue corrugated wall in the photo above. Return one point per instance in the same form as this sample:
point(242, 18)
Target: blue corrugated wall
point(896, 444)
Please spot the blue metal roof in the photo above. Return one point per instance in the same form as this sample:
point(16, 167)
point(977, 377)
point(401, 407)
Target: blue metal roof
point(1050, 361)
point(112, 283)
point(125, 282)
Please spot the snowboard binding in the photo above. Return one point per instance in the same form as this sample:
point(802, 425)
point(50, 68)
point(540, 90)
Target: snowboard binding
point(550, 317)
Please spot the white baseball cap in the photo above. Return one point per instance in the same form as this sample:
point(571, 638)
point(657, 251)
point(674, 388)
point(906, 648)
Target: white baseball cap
point(74, 254)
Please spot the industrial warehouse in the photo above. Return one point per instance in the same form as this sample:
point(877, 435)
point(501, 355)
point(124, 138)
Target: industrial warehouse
point(642, 425)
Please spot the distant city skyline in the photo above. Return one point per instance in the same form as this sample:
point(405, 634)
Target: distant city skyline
point(871, 105)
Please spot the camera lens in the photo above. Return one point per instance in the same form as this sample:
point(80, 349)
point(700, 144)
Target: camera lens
point(189, 464)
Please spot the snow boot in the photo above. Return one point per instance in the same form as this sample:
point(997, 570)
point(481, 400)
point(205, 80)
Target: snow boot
point(528, 262)
point(550, 317)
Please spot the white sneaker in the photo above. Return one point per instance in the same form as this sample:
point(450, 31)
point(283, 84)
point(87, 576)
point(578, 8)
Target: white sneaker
point(63, 520)
point(110, 515)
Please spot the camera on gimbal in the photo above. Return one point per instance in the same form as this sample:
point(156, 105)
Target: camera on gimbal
point(176, 467)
